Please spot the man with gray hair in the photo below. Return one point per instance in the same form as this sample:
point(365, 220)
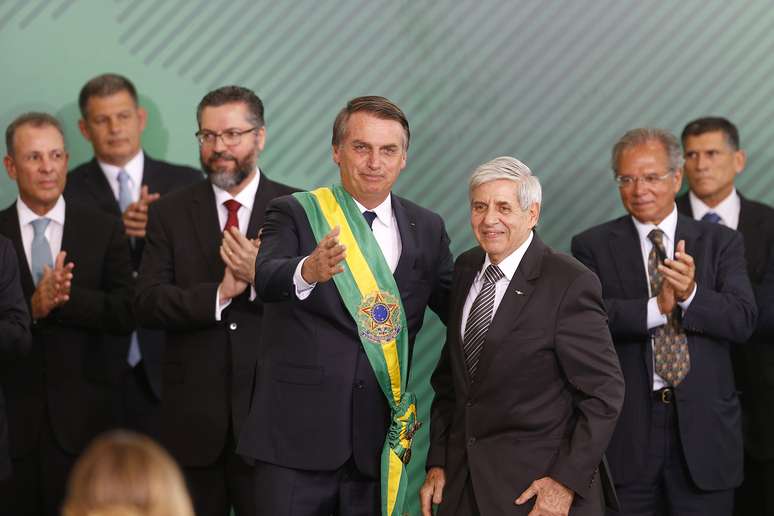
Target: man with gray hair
point(678, 297)
point(528, 386)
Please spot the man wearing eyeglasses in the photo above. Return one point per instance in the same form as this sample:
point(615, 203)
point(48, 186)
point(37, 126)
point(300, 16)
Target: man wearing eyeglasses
point(713, 161)
point(678, 298)
point(195, 283)
point(122, 180)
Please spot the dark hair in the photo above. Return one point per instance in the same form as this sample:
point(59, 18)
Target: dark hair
point(380, 107)
point(232, 95)
point(104, 85)
point(710, 124)
point(35, 120)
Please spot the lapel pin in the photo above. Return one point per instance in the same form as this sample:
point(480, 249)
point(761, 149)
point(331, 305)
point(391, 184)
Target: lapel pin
point(519, 292)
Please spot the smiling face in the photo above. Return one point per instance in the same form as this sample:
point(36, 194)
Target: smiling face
point(370, 157)
point(113, 124)
point(38, 164)
point(499, 223)
point(711, 166)
point(648, 203)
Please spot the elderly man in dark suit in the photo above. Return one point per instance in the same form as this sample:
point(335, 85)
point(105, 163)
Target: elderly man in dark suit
point(122, 180)
point(76, 278)
point(194, 281)
point(678, 298)
point(15, 338)
point(340, 325)
point(713, 161)
point(528, 386)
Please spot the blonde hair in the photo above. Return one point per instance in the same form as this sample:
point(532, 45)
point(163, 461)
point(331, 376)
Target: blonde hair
point(122, 473)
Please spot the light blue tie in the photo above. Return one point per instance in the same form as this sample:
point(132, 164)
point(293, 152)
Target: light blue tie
point(124, 190)
point(124, 200)
point(40, 251)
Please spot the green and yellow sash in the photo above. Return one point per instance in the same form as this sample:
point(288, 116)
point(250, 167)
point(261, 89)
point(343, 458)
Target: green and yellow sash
point(373, 300)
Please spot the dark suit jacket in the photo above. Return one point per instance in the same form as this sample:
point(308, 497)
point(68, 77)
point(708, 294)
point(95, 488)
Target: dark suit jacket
point(316, 400)
point(209, 365)
point(15, 338)
point(86, 184)
point(78, 348)
point(754, 362)
point(548, 388)
point(722, 313)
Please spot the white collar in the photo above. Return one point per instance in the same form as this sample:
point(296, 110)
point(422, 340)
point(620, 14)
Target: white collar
point(668, 226)
point(26, 215)
point(728, 208)
point(383, 211)
point(133, 167)
point(510, 263)
point(246, 197)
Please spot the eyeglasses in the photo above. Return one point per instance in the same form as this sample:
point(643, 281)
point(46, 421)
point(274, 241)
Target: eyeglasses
point(648, 179)
point(230, 138)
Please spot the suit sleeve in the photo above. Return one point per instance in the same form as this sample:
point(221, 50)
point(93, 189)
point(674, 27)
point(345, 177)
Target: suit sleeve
point(441, 411)
point(730, 295)
point(586, 354)
point(107, 308)
point(160, 303)
point(627, 318)
point(15, 339)
point(764, 296)
point(279, 254)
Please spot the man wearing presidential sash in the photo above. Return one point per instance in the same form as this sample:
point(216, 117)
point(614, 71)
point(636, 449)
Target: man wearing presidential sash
point(345, 273)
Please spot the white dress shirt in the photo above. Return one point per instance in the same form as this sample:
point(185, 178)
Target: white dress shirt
point(386, 233)
point(508, 267)
point(134, 168)
point(245, 198)
point(728, 209)
point(53, 232)
point(655, 317)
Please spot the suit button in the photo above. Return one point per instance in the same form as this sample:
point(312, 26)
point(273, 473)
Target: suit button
point(232, 326)
point(469, 403)
point(135, 274)
point(359, 384)
point(471, 441)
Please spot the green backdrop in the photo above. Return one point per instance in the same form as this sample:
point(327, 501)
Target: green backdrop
point(550, 82)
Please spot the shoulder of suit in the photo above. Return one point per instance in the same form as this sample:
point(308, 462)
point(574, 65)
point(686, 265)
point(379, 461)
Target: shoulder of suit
point(82, 171)
point(601, 230)
point(473, 258)
point(756, 206)
point(183, 195)
point(417, 212)
point(279, 188)
point(89, 216)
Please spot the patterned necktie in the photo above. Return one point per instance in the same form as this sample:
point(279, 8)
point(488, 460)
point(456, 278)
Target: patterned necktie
point(40, 250)
point(479, 319)
point(670, 344)
point(713, 217)
point(370, 216)
point(232, 221)
point(124, 190)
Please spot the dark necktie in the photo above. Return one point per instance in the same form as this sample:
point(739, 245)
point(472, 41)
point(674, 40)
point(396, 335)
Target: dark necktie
point(713, 217)
point(670, 344)
point(370, 217)
point(480, 318)
point(232, 221)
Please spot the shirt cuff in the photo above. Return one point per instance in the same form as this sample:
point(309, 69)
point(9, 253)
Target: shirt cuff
point(685, 304)
point(655, 317)
point(219, 307)
point(303, 289)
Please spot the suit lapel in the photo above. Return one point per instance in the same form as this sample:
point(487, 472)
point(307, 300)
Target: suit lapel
point(407, 228)
point(461, 289)
point(514, 300)
point(9, 226)
point(626, 253)
point(100, 189)
point(263, 195)
point(204, 215)
point(150, 174)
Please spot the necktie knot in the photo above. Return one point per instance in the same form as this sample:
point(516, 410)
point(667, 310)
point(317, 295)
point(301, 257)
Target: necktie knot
point(370, 216)
point(232, 205)
point(493, 274)
point(712, 217)
point(39, 226)
point(657, 237)
point(124, 190)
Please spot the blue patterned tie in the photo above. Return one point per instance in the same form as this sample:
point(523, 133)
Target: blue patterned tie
point(40, 251)
point(713, 217)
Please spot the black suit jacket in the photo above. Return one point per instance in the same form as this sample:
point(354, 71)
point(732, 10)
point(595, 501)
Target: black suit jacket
point(15, 338)
point(721, 313)
point(209, 365)
point(78, 348)
point(86, 184)
point(316, 400)
point(754, 363)
point(547, 392)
